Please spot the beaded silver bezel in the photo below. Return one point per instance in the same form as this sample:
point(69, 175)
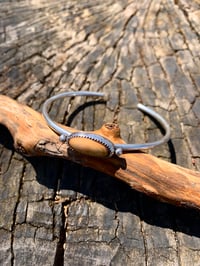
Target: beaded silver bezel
point(97, 138)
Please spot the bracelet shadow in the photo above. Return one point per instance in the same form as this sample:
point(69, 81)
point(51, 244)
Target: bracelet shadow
point(80, 108)
point(75, 180)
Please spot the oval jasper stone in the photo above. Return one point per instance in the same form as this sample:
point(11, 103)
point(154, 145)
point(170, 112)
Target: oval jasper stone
point(88, 147)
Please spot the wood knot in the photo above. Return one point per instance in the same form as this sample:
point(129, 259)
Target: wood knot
point(112, 126)
point(110, 130)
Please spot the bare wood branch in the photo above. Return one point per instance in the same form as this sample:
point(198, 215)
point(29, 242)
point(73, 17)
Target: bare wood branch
point(143, 172)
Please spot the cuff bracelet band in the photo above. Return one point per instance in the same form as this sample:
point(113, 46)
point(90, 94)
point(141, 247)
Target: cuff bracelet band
point(111, 148)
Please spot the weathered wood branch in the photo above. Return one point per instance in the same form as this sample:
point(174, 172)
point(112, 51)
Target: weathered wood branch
point(143, 172)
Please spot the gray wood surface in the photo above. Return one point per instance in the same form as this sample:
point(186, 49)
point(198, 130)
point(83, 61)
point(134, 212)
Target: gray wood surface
point(54, 212)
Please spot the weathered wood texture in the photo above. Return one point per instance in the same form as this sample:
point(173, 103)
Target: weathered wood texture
point(54, 212)
point(144, 172)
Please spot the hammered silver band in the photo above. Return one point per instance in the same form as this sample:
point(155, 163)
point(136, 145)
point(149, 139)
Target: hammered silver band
point(112, 148)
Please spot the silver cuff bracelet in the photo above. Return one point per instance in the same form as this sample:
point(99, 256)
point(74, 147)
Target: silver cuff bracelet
point(112, 148)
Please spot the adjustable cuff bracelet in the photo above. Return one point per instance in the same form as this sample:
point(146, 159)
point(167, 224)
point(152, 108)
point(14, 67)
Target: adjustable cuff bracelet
point(118, 149)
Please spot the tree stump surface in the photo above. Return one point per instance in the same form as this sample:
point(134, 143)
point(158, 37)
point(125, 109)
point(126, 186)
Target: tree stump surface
point(55, 212)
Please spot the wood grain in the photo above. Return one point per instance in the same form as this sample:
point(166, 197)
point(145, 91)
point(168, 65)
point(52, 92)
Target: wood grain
point(56, 212)
point(143, 172)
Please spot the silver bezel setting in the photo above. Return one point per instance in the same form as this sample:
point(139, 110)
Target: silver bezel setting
point(97, 138)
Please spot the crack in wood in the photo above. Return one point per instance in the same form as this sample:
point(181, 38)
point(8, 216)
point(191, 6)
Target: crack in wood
point(95, 45)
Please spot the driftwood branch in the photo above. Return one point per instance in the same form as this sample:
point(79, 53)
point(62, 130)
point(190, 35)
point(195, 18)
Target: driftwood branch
point(143, 172)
